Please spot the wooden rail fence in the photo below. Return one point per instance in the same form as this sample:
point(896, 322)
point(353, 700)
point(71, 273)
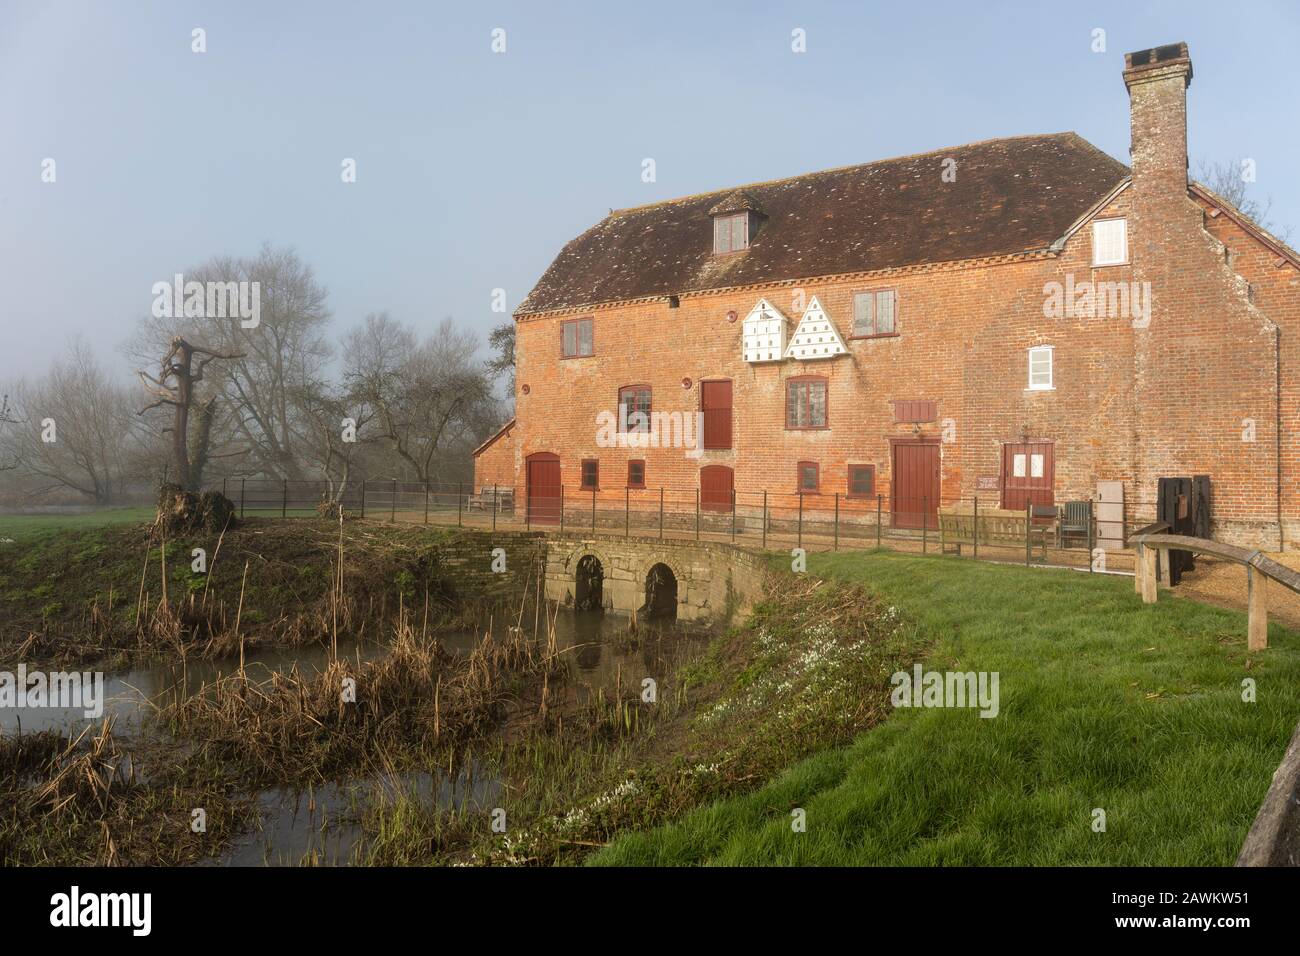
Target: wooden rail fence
point(1153, 545)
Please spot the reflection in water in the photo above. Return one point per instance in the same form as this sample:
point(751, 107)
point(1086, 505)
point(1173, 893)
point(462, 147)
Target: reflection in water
point(323, 825)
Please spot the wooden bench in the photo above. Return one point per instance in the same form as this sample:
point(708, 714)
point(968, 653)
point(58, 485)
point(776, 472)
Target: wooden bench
point(483, 501)
point(998, 527)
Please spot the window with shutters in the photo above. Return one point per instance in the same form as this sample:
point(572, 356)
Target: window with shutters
point(731, 233)
point(634, 408)
point(809, 477)
point(875, 313)
point(1110, 242)
point(1040, 368)
point(715, 404)
point(575, 338)
point(590, 474)
point(862, 481)
point(805, 403)
point(636, 474)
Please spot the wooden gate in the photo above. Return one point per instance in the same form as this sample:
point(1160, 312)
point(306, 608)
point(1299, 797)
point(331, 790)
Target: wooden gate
point(544, 501)
point(914, 490)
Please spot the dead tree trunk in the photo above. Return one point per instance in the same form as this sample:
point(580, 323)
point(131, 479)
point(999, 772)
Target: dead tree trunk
point(175, 386)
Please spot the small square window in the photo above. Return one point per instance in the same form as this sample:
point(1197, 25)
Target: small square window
point(590, 474)
point(636, 474)
point(1110, 242)
point(809, 477)
point(873, 313)
point(862, 481)
point(1040, 368)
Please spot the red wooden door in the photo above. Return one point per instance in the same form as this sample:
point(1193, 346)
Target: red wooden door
point(715, 488)
point(915, 486)
point(544, 488)
point(1028, 474)
point(715, 403)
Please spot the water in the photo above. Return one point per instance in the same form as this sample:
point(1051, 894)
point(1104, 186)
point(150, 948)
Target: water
point(323, 824)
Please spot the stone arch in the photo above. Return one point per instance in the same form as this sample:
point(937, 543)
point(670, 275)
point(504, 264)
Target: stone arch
point(664, 585)
point(583, 579)
point(588, 583)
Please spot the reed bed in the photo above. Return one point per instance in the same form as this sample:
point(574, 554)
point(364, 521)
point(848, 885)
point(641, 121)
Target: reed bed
point(357, 716)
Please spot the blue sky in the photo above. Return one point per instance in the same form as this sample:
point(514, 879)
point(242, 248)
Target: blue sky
point(473, 168)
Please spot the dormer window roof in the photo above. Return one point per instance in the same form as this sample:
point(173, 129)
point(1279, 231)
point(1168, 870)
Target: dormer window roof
point(735, 220)
point(738, 201)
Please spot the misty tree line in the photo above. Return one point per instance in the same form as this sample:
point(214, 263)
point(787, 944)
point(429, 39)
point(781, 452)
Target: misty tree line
point(269, 401)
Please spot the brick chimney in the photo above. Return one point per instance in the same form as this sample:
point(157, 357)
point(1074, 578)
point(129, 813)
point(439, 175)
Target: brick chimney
point(1157, 82)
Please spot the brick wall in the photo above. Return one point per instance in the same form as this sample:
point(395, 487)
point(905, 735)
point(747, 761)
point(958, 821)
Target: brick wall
point(1129, 404)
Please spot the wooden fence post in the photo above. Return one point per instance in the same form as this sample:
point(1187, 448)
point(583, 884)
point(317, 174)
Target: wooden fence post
point(1028, 518)
point(1257, 609)
point(1149, 556)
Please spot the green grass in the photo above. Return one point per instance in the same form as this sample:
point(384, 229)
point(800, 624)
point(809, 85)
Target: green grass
point(23, 528)
point(1105, 703)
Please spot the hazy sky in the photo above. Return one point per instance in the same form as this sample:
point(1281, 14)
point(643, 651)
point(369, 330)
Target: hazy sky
point(473, 168)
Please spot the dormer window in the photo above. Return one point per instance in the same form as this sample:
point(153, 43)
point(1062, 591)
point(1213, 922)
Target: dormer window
point(731, 233)
point(735, 221)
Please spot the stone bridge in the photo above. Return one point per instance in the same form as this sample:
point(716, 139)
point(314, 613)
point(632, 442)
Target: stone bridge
point(703, 582)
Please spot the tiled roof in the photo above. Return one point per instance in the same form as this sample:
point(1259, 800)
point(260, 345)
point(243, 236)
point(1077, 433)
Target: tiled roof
point(1009, 196)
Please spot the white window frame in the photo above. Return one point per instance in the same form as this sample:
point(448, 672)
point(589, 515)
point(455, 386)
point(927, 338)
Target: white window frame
point(1097, 245)
point(1051, 369)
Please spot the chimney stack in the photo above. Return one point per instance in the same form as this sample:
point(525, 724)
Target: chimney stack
point(1157, 82)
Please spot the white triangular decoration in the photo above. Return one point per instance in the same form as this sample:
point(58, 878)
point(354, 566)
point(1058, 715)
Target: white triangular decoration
point(816, 336)
point(764, 333)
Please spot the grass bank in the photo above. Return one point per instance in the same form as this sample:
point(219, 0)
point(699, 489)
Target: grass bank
point(1106, 704)
point(809, 670)
point(113, 593)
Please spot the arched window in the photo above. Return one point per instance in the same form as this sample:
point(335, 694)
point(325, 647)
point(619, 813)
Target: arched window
point(634, 408)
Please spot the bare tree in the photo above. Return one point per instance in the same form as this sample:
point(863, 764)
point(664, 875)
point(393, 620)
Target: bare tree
point(74, 430)
point(7, 418)
point(421, 394)
point(175, 386)
point(335, 422)
point(502, 341)
point(276, 358)
point(1229, 181)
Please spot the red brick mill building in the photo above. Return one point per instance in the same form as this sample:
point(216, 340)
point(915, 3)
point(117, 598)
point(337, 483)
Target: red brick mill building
point(1017, 318)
